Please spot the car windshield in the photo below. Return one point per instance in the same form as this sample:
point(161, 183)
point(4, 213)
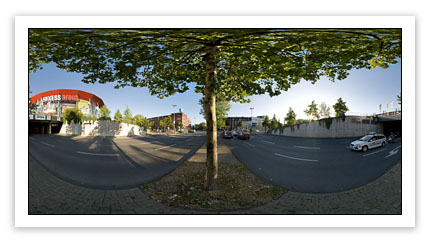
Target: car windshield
point(366, 138)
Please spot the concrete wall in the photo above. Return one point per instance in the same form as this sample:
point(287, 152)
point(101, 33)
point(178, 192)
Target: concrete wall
point(102, 128)
point(351, 127)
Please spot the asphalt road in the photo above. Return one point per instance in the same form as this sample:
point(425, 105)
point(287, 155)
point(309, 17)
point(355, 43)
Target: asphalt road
point(313, 165)
point(113, 163)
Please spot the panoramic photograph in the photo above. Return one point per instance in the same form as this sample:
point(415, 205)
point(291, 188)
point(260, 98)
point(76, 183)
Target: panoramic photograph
point(215, 121)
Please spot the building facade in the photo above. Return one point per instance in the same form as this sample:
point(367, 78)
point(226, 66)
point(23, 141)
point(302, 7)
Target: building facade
point(178, 118)
point(55, 102)
point(232, 123)
point(46, 117)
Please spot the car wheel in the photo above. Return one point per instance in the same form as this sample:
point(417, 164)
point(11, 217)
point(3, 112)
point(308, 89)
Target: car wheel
point(364, 149)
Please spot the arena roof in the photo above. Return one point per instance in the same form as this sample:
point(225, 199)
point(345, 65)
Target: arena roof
point(81, 95)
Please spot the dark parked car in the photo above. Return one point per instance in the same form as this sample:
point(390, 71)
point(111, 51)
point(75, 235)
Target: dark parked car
point(244, 135)
point(227, 135)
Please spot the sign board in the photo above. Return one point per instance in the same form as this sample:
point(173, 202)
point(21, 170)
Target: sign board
point(30, 116)
point(40, 117)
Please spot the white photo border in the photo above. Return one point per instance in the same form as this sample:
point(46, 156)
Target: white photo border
point(406, 23)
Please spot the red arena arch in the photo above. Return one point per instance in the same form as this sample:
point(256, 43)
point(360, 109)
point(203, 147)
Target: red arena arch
point(54, 102)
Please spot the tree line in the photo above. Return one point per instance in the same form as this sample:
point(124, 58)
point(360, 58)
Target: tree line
point(75, 115)
point(313, 112)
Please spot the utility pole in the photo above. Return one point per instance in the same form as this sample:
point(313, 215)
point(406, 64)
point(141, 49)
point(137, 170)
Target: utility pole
point(251, 120)
point(174, 118)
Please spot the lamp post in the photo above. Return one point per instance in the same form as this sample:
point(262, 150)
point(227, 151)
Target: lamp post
point(251, 120)
point(174, 119)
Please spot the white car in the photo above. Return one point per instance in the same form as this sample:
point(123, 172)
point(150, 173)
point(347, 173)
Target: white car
point(369, 142)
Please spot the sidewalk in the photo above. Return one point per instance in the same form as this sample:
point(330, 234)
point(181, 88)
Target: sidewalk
point(50, 195)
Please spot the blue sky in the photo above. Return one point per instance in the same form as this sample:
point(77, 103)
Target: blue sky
point(363, 91)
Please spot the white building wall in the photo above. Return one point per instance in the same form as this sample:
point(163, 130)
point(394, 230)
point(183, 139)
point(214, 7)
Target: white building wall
point(338, 129)
point(102, 128)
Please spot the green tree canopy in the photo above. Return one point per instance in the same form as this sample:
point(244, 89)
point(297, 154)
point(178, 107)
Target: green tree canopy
point(312, 111)
point(240, 123)
point(340, 108)
point(274, 123)
point(234, 63)
point(104, 113)
point(141, 121)
point(73, 114)
point(127, 118)
point(291, 117)
point(118, 116)
point(324, 110)
point(167, 122)
point(266, 123)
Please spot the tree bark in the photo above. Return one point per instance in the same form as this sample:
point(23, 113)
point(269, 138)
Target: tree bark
point(210, 113)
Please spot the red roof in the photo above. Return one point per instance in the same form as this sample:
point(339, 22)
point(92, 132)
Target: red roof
point(81, 94)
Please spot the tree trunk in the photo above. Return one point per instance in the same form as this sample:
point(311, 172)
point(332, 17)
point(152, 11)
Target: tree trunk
point(211, 129)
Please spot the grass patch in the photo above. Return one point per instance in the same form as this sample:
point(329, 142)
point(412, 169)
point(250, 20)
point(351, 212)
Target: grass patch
point(236, 188)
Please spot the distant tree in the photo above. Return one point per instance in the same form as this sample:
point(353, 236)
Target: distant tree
point(340, 108)
point(312, 111)
point(179, 124)
point(104, 113)
point(291, 117)
point(202, 125)
point(118, 116)
point(167, 122)
point(162, 125)
point(240, 123)
point(222, 107)
point(274, 123)
point(266, 123)
point(141, 121)
point(127, 118)
point(324, 110)
point(31, 106)
point(73, 114)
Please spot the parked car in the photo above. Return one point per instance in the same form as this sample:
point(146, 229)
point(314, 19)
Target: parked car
point(244, 135)
point(227, 135)
point(235, 133)
point(369, 141)
point(192, 131)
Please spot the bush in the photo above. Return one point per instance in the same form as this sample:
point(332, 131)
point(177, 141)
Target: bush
point(72, 114)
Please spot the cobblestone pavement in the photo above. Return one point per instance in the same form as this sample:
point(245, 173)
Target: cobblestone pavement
point(51, 195)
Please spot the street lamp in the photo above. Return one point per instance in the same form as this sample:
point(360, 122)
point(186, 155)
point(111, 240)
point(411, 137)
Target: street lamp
point(174, 118)
point(251, 120)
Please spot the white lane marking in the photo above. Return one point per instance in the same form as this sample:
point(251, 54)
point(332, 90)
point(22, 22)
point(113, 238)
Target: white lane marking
point(249, 144)
point(268, 142)
point(85, 153)
point(165, 147)
point(47, 144)
point(294, 158)
point(374, 152)
point(393, 152)
point(31, 138)
point(304, 147)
